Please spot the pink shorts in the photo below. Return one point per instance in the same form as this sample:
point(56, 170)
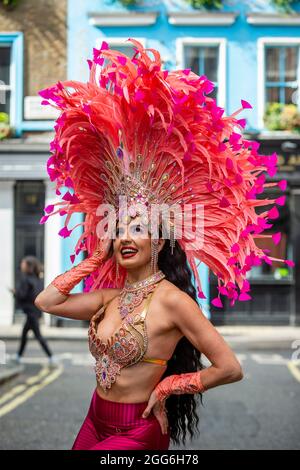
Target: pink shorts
point(112, 425)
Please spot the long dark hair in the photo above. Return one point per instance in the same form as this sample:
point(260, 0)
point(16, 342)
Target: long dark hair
point(33, 265)
point(181, 409)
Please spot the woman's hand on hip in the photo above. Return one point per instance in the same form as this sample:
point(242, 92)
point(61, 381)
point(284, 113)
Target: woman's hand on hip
point(159, 411)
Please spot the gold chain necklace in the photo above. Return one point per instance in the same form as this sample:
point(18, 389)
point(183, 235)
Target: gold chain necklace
point(133, 293)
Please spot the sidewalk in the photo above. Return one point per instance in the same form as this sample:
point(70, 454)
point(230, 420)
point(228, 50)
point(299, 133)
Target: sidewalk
point(270, 336)
point(244, 337)
point(13, 332)
point(261, 337)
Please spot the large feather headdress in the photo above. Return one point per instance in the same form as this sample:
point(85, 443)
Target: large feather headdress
point(154, 136)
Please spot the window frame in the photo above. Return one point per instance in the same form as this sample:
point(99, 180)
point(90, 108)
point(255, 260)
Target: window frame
point(15, 41)
point(7, 87)
point(116, 41)
point(262, 43)
point(207, 42)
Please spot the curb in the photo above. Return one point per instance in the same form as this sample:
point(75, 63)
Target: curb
point(252, 336)
point(48, 337)
point(11, 372)
point(260, 344)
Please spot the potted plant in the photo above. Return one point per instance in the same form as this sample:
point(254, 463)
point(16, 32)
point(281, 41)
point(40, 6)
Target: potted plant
point(5, 129)
point(282, 117)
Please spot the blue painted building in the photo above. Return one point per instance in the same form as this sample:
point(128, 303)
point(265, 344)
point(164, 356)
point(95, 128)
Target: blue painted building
point(234, 46)
point(250, 50)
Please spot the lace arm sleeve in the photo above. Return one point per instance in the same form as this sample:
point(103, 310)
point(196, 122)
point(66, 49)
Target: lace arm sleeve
point(179, 384)
point(66, 281)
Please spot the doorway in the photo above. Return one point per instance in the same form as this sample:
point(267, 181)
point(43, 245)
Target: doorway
point(29, 203)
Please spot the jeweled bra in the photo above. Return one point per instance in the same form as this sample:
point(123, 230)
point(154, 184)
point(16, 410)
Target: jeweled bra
point(124, 348)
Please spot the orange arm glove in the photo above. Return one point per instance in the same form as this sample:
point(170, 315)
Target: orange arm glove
point(179, 384)
point(66, 281)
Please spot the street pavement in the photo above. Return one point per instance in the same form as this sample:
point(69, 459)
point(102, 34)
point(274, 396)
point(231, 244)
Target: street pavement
point(43, 407)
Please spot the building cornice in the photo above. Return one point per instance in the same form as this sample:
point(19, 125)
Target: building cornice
point(123, 18)
point(195, 18)
point(272, 19)
point(273, 135)
point(17, 146)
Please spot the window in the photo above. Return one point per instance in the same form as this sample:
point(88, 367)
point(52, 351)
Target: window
point(203, 60)
point(281, 74)
point(11, 78)
point(205, 56)
point(278, 73)
point(5, 78)
point(118, 44)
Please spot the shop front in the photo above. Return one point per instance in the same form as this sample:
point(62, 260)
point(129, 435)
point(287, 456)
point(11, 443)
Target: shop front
point(275, 289)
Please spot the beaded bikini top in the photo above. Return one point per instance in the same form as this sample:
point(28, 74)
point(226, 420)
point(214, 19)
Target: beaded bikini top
point(124, 348)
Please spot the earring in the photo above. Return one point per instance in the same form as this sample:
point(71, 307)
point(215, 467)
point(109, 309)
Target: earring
point(154, 255)
point(117, 270)
point(172, 237)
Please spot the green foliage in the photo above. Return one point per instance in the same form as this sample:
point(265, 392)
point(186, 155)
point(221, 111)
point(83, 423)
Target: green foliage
point(5, 129)
point(10, 3)
point(282, 117)
point(129, 3)
point(209, 4)
point(284, 5)
point(4, 118)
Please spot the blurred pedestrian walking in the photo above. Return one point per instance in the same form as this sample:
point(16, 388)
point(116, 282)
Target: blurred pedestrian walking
point(29, 285)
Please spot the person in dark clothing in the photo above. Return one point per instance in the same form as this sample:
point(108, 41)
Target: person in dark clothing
point(28, 287)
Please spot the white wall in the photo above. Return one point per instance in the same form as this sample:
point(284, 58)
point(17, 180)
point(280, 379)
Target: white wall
point(6, 251)
point(52, 249)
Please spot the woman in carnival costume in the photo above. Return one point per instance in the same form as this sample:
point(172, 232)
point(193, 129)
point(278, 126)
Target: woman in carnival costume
point(132, 138)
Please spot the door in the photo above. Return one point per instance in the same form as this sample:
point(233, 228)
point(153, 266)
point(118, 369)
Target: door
point(29, 204)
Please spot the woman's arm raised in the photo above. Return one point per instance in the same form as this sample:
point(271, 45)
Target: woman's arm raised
point(55, 299)
point(79, 306)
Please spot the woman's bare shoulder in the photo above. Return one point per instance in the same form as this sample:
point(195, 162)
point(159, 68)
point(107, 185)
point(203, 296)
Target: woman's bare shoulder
point(166, 288)
point(166, 291)
point(171, 296)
